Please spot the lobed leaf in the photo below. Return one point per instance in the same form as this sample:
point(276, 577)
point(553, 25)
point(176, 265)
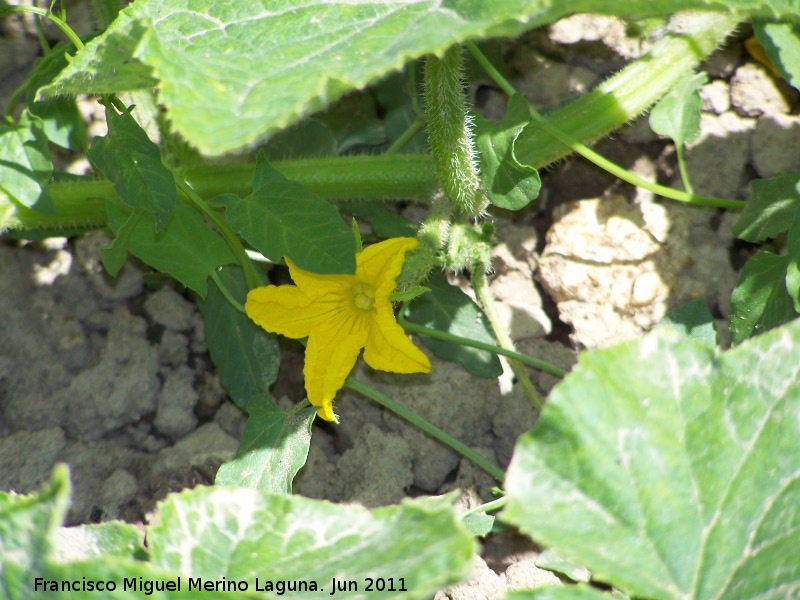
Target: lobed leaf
point(275, 219)
point(231, 74)
point(273, 448)
point(683, 483)
point(186, 249)
point(276, 537)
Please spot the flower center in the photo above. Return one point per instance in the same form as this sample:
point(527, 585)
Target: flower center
point(363, 295)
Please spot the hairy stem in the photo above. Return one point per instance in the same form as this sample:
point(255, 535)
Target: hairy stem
point(450, 133)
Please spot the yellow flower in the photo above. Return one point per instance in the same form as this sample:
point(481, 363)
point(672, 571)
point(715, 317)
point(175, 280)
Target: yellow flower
point(340, 315)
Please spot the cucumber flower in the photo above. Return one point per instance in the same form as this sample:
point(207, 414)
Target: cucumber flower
point(340, 315)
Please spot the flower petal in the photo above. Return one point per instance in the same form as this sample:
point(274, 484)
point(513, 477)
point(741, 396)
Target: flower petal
point(286, 310)
point(331, 353)
point(320, 287)
point(381, 263)
point(388, 347)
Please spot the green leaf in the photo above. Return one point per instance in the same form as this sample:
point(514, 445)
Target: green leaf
point(771, 208)
point(793, 267)
point(478, 524)
point(560, 592)
point(231, 74)
point(693, 319)
point(246, 357)
point(132, 162)
point(275, 220)
point(558, 564)
point(106, 64)
point(62, 122)
point(409, 294)
point(274, 447)
point(508, 183)
point(760, 301)
point(186, 249)
point(677, 115)
point(781, 42)
point(27, 524)
point(25, 165)
point(99, 541)
point(449, 309)
point(279, 537)
point(683, 483)
point(116, 253)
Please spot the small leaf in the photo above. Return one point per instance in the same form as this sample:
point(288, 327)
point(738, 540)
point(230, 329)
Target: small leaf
point(186, 248)
point(274, 447)
point(276, 537)
point(449, 309)
point(677, 115)
point(409, 294)
point(245, 356)
point(275, 220)
point(781, 42)
point(680, 484)
point(771, 208)
point(694, 320)
point(760, 300)
point(25, 165)
point(116, 253)
point(508, 184)
point(132, 162)
point(478, 524)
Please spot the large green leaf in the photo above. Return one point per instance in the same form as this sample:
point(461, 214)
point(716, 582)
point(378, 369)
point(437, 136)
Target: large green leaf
point(693, 319)
point(447, 308)
point(231, 73)
point(282, 218)
point(273, 449)
point(246, 357)
point(670, 469)
point(186, 249)
point(249, 535)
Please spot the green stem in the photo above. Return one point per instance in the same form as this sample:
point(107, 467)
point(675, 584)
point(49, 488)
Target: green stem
point(546, 125)
point(687, 185)
point(58, 22)
point(486, 299)
point(455, 339)
point(226, 293)
point(423, 425)
point(250, 274)
point(405, 137)
point(487, 507)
